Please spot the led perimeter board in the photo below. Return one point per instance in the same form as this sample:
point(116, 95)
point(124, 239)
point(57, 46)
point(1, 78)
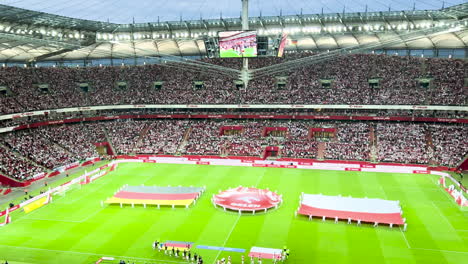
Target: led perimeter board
point(237, 44)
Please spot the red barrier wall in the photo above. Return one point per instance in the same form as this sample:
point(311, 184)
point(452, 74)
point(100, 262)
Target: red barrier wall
point(10, 182)
point(463, 166)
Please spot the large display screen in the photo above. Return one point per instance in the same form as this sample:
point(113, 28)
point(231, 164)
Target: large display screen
point(237, 44)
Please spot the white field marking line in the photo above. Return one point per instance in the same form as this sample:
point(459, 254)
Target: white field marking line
point(89, 254)
point(24, 215)
point(66, 221)
point(383, 191)
point(87, 192)
point(92, 215)
point(428, 249)
point(412, 188)
point(235, 224)
point(404, 236)
point(441, 214)
point(452, 200)
point(52, 220)
point(227, 237)
point(55, 198)
point(91, 189)
point(441, 250)
point(259, 180)
point(401, 231)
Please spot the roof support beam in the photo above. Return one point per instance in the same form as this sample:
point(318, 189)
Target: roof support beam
point(461, 40)
point(199, 49)
point(51, 54)
point(92, 50)
point(155, 43)
point(178, 47)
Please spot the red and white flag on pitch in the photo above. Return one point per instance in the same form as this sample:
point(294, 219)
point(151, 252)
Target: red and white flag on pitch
point(349, 208)
point(265, 253)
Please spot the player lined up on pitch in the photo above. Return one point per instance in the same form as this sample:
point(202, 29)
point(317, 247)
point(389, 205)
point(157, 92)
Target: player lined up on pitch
point(182, 250)
point(257, 260)
point(178, 250)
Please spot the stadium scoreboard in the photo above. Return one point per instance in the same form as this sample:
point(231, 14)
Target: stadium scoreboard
point(244, 44)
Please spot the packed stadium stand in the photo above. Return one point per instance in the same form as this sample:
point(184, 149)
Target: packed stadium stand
point(30, 151)
point(399, 83)
point(379, 104)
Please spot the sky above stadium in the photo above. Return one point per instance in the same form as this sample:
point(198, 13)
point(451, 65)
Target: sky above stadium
point(125, 11)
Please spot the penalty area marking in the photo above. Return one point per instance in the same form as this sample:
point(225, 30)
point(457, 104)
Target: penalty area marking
point(442, 215)
point(51, 220)
point(446, 194)
point(92, 254)
point(65, 221)
point(90, 190)
point(401, 231)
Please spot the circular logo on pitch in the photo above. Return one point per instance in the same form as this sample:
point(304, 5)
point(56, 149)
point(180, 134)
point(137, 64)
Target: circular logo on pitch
point(245, 199)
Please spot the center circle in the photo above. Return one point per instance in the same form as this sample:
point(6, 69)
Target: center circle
point(247, 199)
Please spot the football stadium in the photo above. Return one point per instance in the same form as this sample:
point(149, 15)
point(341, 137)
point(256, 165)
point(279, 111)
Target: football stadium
point(233, 132)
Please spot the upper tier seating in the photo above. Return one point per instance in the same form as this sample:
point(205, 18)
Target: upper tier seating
point(350, 74)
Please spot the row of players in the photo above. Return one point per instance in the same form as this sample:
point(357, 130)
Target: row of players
point(186, 254)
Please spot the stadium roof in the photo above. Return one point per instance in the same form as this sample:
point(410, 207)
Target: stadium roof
point(27, 35)
point(144, 11)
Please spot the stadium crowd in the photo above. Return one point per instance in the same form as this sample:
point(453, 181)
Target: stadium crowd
point(450, 143)
point(403, 143)
point(352, 142)
point(162, 137)
point(38, 145)
point(27, 152)
point(397, 83)
point(241, 111)
point(14, 166)
point(343, 80)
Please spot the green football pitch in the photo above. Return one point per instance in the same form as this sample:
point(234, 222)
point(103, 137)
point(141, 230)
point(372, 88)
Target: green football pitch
point(230, 53)
point(74, 228)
